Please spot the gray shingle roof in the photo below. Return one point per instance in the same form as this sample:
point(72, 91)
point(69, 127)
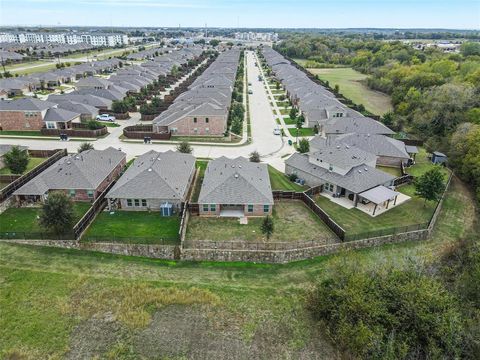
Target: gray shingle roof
point(379, 145)
point(6, 148)
point(60, 115)
point(358, 179)
point(79, 171)
point(25, 104)
point(236, 181)
point(156, 175)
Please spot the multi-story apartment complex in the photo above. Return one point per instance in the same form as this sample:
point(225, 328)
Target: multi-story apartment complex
point(256, 36)
point(95, 39)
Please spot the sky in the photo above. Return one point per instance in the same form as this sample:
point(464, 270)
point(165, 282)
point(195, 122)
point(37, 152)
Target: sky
point(449, 14)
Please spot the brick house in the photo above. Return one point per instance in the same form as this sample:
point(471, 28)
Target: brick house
point(154, 182)
point(235, 188)
point(81, 176)
point(34, 114)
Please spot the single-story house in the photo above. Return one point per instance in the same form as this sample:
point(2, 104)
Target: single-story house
point(155, 181)
point(81, 176)
point(235, 187)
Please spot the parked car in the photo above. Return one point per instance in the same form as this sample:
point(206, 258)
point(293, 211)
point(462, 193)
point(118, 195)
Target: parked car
point(105, 117)
point(277, 131)
point(249, 84)
point(250, 92)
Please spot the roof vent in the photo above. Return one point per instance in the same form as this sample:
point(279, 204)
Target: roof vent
point(236, 176)
point(366, 169)
point(359, 171)
point(69, 162)
point(149, 169)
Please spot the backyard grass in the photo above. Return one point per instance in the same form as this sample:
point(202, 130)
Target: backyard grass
point(413, 212)
point(202, 166)
point(32, 162)
point(352, 86)
point(423, 164)
point(26, 219)
point(395, 171)
point(59, 303)
point(284, 111)
point(301, 132)
point(293, 221)
point(140, 227)
point(279, 181)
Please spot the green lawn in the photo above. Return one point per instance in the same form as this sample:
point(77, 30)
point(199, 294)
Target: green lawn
point(352, 85)
point(279, 181)
point(282, 104)
point(301, 132)
point(59, 303)
point(138, 227)
point(25, 219)
point(21, 133)
point(423, 164)
point(202, 164)
point(284, 111)
point(41, 68)
point(289, 121)
point(356, 222)
point(395, 171)
point(293, 221)
point(32, 162)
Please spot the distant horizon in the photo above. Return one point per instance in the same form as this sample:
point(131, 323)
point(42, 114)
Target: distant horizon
point(245, 14)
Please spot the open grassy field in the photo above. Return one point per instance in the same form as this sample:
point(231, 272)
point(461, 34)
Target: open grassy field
point(76, 304)
point(352, 86)
point(140, 227)
point(293, 221)
point(32, 162)
point(36, 69)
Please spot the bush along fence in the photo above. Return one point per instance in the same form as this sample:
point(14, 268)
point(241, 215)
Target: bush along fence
point(53, 156)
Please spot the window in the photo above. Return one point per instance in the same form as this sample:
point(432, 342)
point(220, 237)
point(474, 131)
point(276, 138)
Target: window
point(207, 130)
point(195, 120)
point(266, 208)
point(330, 167)
point(206, 120)
point(129, 202)
point(205, 207)
point(144, 202)
point(174, 130)
point(72, 193)
point(90, 193)
point(213, 207)
point(331, 187)
point(195, 130)
point(250, 208)
point(137, 202)
point(50, 125)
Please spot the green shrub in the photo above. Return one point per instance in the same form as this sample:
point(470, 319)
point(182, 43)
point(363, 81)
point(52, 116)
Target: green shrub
point(388, 313)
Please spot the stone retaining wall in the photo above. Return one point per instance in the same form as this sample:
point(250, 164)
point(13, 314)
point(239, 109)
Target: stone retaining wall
point(151, 251)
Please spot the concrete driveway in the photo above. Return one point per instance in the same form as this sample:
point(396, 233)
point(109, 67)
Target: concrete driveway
point(271, 147)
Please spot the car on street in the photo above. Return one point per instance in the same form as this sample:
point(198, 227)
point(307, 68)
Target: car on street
point(277, 131)
point(105, 117)
point(250, 92)
point(249, 84)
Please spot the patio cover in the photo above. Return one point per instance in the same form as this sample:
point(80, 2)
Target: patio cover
point(379, 194)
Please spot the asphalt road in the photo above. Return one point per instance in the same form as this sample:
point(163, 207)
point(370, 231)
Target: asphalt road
point(271, 147)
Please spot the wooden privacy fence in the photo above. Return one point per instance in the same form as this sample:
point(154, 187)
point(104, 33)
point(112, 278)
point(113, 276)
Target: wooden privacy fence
point(22, 180)
point(97, 206)
point(142, 131)
point(79, 130)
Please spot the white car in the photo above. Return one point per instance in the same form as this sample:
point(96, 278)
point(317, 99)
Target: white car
point(105, 117)
point(277, 131)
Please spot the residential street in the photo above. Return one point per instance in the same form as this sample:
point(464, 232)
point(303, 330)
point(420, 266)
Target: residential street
point(270, 146)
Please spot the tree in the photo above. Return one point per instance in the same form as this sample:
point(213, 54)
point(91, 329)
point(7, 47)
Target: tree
point(16, 160)
point(267, 227)
point(293, 113)
point(336, 89)
point(184, 147)
point(214, 42)
point(303, 146)
point(254, 157)
point(94, 125)
point(298, 125)
point(277, 85)
point(57, 213)
point(430, 185)
point(84, 147)
point(119, 107)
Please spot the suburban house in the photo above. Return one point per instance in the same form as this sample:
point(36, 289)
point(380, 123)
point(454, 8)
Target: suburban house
point(35, 114)
point(155, 181)
point(346, 174)
point(203, 109)
point(5, 149)
point(235, 188)
point(389, 151)
point(92, 82)
point(81, 176)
